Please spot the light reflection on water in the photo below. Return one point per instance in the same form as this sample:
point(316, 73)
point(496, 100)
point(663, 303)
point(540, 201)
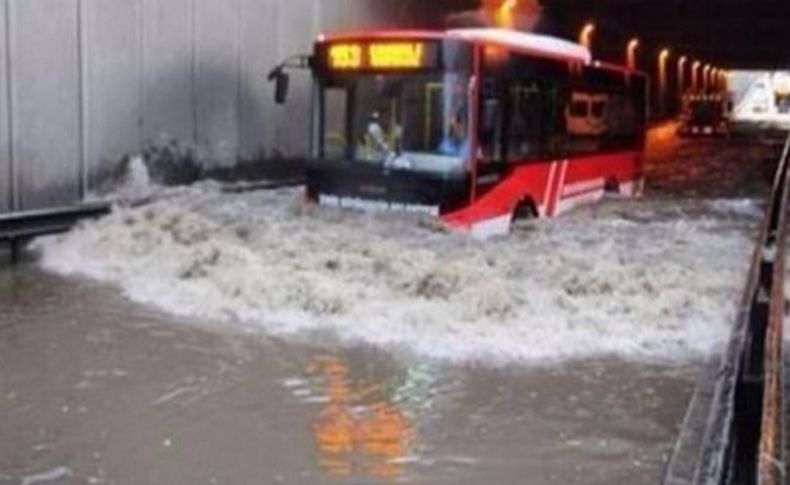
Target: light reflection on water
point(407, 420)
point(364, 428)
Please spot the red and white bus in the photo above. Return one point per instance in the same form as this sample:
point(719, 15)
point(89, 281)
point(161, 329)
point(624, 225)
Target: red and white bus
point(477, 126)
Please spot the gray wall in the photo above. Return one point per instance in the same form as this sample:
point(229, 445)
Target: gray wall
point(85, 82)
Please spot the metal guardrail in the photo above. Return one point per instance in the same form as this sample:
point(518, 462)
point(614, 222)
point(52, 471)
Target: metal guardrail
point(733, 432)
point(20, 226)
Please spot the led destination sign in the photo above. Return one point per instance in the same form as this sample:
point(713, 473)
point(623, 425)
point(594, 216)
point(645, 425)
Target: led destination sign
point(351, 56)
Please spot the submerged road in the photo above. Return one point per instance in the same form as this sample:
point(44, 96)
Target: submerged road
point(97, 389)
point(107, 391)
point(741, 166)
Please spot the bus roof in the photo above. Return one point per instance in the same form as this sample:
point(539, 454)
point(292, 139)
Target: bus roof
point(533, 44)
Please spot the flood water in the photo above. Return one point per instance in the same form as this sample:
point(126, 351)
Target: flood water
point(101, 390)
point(97, 388)
point(741, 166)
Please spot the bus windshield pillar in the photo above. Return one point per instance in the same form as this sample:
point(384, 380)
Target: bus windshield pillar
point(474, 115)
point(316, 120)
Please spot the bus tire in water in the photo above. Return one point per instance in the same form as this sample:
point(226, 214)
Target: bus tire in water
point(524, 211)
point(611, 186)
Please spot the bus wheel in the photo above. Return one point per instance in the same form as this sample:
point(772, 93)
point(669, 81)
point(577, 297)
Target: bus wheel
point(524, 211)
point(611, 187)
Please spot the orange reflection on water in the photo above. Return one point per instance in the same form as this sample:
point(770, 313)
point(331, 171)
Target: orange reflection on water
point(358, 430)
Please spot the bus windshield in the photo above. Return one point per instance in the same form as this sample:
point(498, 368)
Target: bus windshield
point(406, 121)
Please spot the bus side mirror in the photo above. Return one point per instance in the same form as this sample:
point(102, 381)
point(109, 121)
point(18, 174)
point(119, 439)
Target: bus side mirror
point(281, 84)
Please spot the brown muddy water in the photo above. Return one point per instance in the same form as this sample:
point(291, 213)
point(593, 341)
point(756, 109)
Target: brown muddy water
point(95, 389)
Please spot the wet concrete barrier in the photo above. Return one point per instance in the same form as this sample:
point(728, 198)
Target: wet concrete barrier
point(733, 432)
point(18, 227)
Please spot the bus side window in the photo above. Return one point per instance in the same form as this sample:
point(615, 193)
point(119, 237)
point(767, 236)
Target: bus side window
point(535, 109)
point(335, 124)
point(530, 120)
point(490, 129)
point(612, 118)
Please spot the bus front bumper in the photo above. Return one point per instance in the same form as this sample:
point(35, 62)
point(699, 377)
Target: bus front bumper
point(369, 187)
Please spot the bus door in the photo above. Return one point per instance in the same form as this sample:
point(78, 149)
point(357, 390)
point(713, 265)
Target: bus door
point(334, 122)
point(490, 156)
point(432, 130)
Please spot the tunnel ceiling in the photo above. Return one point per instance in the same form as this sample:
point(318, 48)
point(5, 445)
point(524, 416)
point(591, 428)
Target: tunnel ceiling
point(747, 34)
point(733, 34)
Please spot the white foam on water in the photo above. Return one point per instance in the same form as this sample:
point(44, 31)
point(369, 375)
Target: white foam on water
point(634, 280)
point(134, 186)
point(47, 476)
point(137, 184)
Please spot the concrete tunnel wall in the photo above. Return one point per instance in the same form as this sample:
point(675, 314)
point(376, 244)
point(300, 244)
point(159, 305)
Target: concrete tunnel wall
point(84, 83)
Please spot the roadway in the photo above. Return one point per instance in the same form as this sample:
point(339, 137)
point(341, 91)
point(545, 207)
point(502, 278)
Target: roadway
point(100, 389)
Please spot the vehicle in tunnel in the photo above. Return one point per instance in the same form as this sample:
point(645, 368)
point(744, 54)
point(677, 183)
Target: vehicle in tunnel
point(782, 92)
point(477, 126)
point(763, 98)
point(586, 114)
point(706, 115)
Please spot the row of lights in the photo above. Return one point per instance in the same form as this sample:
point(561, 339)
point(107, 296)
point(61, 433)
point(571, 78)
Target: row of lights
point(709, 71)
point(712, 76)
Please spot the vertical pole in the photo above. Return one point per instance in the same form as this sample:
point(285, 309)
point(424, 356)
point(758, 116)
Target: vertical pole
point(317, 17)
point(83, 108)
point(662, 82)
point(695, 84)
point(680, 87)
point(142, 74)
point(705, 78)
point(240, 69)
point(316, 100)
point(474, 119)
point(681, 80)
point(316, 120)
point(630, 57)
point(662, 88)
point(193, 68)
point(13, 194)
point(585, 37)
